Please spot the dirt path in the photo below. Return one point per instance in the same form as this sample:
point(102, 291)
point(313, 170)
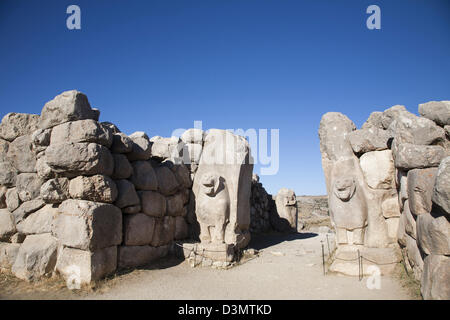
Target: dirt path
point(287, 268)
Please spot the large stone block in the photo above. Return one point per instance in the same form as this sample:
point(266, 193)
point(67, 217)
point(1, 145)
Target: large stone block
point(410, 156)
point(433, 234)
point(420, 190)
point(28, 186)
point(127, 195)
point(55, 190)
point(8, 254)
point(435, 284)
point(38, 222)
point(193, 135)
point(153, 203)
point(441, 190)
point(166, 148)
point(82, 131)
point(27, 208)
point(8, 174)
point(12, 199)
point(43, 169)
point(97, 188)
point(137, 256)
point(409, 220)
point(18, 124)
point(438, 111)
point(74, 159)
point(3, 191)
point(80, 267)
point(7, 225)
point(175, 204)
point(68, 106)
point(369, 139)
point(4, 146)
point(144, 177)
point(192, 153)
point(88, 225)
point(21, 155)
point(378, 168)
point(141, 147)
point(390, 207)
point(122, 167)
point(375, 120)
point(36, 257)
point(121, 143)
point(167, 183)
point(183, 176)
point(181, 228)
point(138, 229)
point(164, 231)
point(414, 257)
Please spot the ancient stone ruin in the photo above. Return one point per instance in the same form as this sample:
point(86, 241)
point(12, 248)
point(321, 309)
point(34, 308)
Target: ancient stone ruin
point(82, 200)
point(389, 192)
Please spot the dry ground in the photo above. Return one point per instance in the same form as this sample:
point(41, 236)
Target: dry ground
point(288, 267)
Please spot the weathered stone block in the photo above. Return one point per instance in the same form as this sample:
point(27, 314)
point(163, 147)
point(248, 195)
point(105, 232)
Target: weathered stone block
point(97, 188)
point(18, 124)
point(433, 234)
point(138, 229)
point(378, 168)
point(438, 111)
point(88, 225)
point(144, 177)
point(55, 190)
point(38, 222)
point(121, 143)
point(122, 167)
point(28, 186)
point(141, 147)
point(82, 131)
point(410, 156)
point(127, 195)
point(8, 254)
point(435, 284)
point(21, 155)
point(153, 203)
point(7, 225)
point(441, 190)
point(420, 190)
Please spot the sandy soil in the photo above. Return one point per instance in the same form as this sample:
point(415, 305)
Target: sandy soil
point(288, 267)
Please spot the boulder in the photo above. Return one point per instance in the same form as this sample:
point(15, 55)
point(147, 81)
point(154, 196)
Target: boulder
point(193, 135)
point(122, 167)
point(4, 146)
point(114, 129)
point(8, 254)
point(137, 256)
point(164, 231)
point(441, 189)
point(409, 221)
point(74, 159)
point(435, 284)
point(55, 190)
point(88, 225)
point(183, 176)
point(167, 183)
point(369, 139)
point(138, 229)
point(414, 257)
point(166, 148)
point(438, 111)
point(12, 199)
point(127, 195)
point(375, 120)
point(68, 106)
point(141, 147)
point(409, 128)
point(7, 225)
point(80, 267)
point(433, 234)
point(3, 191)
point(41, 138)
point(181, 228)
point(43, 169)
point(153, 203)
point(410, 156)
point(36, 257)
point(18, 124)
point(420, 190)
point(28, 186)
point(121, 143)
point(27, 208)
point(389, 115)
point(378, 168)
point(8, 174)
point(286, 204)
point(144, 177)
point(21, 155)
point(97, 188)
point(38, 222)
point(132, 209)
point(82, 131)
point(175, 205)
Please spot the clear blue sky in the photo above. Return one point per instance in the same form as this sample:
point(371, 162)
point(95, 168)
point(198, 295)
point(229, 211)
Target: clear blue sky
point(160, 65)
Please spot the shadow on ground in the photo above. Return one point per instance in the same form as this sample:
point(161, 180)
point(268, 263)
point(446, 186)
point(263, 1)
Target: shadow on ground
point(263, 241)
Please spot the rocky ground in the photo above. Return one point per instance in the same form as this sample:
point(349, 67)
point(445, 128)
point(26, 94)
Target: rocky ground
point(287, 267)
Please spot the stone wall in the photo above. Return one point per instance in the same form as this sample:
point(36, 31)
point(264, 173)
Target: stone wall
point(399, 164)
point(81, 199)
